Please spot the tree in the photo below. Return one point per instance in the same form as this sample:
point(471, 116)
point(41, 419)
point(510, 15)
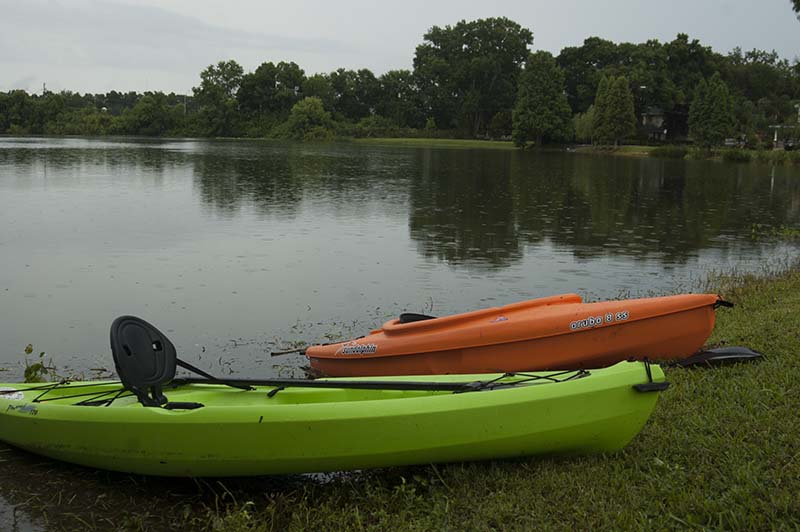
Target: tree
point(614, 116)
point(583, 124)
point(308, 120)
point(583, 66)
point(600, 106)
point(711, 118)
point(541, 111)
point(271, 88)
point(355, 93)
point(689, 62)
point(645, 65)
point(319, 85)
point(151, 116)
point(224, 77)
point(217, 97)
point(399, 99)
point(467, 73)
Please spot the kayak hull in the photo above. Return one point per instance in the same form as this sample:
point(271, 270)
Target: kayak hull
point(563, 333)
point(241, 433)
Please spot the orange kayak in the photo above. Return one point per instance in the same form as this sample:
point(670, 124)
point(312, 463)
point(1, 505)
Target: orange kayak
point(551, 333)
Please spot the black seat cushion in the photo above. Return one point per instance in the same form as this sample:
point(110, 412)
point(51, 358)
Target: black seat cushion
point(144, 357)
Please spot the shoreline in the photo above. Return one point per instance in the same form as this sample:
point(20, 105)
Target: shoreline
point(665, 151)
point(717, 452)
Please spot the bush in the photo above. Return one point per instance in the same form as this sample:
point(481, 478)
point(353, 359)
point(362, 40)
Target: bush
point(762, 156)
point(696, 153)
point(308, 120)
point(318, 133)
point(16, 129)
point(736, 155)
point(374, 126)
point(670, 152)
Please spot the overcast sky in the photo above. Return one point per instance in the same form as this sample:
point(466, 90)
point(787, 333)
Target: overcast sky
point(100, 45)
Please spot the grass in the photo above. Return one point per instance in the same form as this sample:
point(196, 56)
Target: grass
point(630, 150)
point(736, 155)
point(438, 143)
point(721, 451)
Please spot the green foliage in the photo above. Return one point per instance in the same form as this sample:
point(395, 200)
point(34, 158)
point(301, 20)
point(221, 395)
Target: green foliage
point(777, 156)
point(39, 370)
point(151, 116)
point(376, 126)
point(502, 124)
point(467, 73)
point(319, 85)
point(400, 100)
point(696, 153)
point(665, 76)
point(711, 118)
point(465, 80)
point(670, 152)
point(541, 112)
point(216, 96)
point(308, 120)
point(270, 88)
point(614, 117)
point(783, 233)
point(355, 93)
point(583, 125)
point(735, 155)
point(662, 73)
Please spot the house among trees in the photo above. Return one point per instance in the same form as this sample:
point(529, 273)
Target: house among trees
point(653, 124)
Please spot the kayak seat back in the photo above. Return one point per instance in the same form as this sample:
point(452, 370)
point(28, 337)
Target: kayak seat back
point(144, 358)
point(411, 317)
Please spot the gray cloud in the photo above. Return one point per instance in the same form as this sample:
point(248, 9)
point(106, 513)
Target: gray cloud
point(99, 45)
point(93, 37)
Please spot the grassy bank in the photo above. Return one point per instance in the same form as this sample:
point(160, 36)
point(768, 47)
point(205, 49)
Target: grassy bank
point(632, 150)
point(735, 155)
point(438, 143)
point(721, 451)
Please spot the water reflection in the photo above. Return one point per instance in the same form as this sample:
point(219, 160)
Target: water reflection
point(482, 207)
point(461, 208)
point(238, 243)
point(464, 207)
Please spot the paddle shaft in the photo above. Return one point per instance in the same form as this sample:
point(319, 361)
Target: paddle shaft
point(357, 385)
point(288, 352)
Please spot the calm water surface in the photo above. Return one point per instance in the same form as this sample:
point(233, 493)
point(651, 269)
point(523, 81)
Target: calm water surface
point(238, 248)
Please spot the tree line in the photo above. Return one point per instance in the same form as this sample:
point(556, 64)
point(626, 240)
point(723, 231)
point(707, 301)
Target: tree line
point(475, 79)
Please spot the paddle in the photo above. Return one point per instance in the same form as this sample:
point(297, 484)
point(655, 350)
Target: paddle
point(287, 352)
point(350, 384)
point(145, 360)
point(718, 356)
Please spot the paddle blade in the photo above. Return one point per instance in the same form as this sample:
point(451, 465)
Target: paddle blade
point(719, 356)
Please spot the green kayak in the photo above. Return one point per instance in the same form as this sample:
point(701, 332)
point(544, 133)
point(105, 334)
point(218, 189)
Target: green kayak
point(248, 432)
point(214, 427)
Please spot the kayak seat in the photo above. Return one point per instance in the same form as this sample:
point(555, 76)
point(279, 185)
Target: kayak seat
point(411, 317)
point(144, 358)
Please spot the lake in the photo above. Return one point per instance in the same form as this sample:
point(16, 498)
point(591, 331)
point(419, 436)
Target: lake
point(238, 248)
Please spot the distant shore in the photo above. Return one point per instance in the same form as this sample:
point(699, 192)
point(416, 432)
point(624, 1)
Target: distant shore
point(666, 151)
